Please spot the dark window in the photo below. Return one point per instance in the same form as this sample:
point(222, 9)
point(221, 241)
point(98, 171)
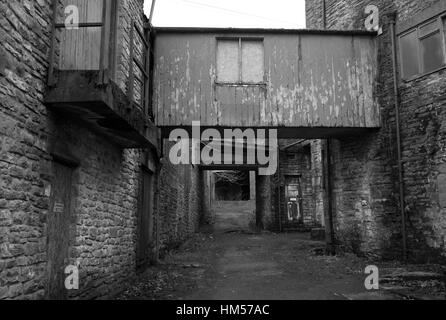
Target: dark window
point(409, 54)
point(431, 44)
point(432, 52)
point(422, 49)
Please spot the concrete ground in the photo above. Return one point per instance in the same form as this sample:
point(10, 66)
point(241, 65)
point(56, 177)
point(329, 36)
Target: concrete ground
point(268, 267)
point(239, 266)
point(234, 216)
point(230, 262)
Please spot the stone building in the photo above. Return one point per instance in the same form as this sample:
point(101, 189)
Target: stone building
point(86, 111)
point(82, 181)
point(366, 194)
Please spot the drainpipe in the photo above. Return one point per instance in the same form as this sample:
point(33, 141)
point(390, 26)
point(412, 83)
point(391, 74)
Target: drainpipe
point(398, 133)
point(279, 195)
point(152, 10)
point(324, 14)
point(328, 198)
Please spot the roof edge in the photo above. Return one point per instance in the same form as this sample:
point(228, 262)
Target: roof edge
point(262, 31)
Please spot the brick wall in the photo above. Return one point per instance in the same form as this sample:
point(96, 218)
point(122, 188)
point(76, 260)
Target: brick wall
point(365, 172)
point(105, 184)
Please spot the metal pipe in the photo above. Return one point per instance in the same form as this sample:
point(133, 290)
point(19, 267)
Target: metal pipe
point(329, 198)
point(398, 134)
point(324, 14)
point(50, 80)
point(293, 144)
point(279, 195)
point(152, 10)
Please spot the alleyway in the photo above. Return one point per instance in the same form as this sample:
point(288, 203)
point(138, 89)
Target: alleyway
point(227, 261)
point(241, 266)
point(249, 266)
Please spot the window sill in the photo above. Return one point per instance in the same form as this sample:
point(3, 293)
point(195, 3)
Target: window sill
point(241, 84)
point(417, 77)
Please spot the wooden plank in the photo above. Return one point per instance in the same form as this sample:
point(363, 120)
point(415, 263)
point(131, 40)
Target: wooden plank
point(131, 81)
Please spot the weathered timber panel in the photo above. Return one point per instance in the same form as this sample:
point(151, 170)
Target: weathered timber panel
point(311, 80)
point(80, 48)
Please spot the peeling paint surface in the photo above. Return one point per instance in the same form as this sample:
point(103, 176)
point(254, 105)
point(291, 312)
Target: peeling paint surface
point(311, 80)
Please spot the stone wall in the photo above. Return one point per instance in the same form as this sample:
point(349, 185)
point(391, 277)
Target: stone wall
point(365, 173)
point(24, 160)
point(181, 194)
point(106, 184)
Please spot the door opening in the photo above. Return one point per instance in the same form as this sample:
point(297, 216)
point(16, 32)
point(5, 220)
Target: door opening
point(145, 248)
point(293, 196)
point(60, 220)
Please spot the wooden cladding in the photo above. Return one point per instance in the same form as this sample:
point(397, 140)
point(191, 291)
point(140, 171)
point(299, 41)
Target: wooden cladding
point(139, 73)
point(318, 80)
point(81, 41)
point(84, 39)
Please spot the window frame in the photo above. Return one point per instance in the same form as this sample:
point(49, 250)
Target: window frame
point(440, 21)
point(109, 31)
point(240, 81)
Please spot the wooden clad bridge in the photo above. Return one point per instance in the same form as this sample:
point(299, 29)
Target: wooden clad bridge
point(305, 83)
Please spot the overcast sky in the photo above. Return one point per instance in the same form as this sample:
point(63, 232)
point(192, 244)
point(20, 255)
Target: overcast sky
point(228, 13)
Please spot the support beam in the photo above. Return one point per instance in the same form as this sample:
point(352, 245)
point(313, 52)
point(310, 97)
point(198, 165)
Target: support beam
point(263, 203)
point(328, 198)
point(252, 185)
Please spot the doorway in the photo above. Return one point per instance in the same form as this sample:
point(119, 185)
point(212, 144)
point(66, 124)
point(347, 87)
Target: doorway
point(145, 252)
point(294, 200)
point(60, 220)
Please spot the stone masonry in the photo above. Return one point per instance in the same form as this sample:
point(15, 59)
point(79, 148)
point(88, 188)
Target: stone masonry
point(365, 175)
point(106, 183)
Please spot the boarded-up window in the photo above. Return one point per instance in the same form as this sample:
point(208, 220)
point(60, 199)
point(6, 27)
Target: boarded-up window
point(422, 49)
point(228, 61)
point(252, 61)
point(240, 61)
point(80, 47)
